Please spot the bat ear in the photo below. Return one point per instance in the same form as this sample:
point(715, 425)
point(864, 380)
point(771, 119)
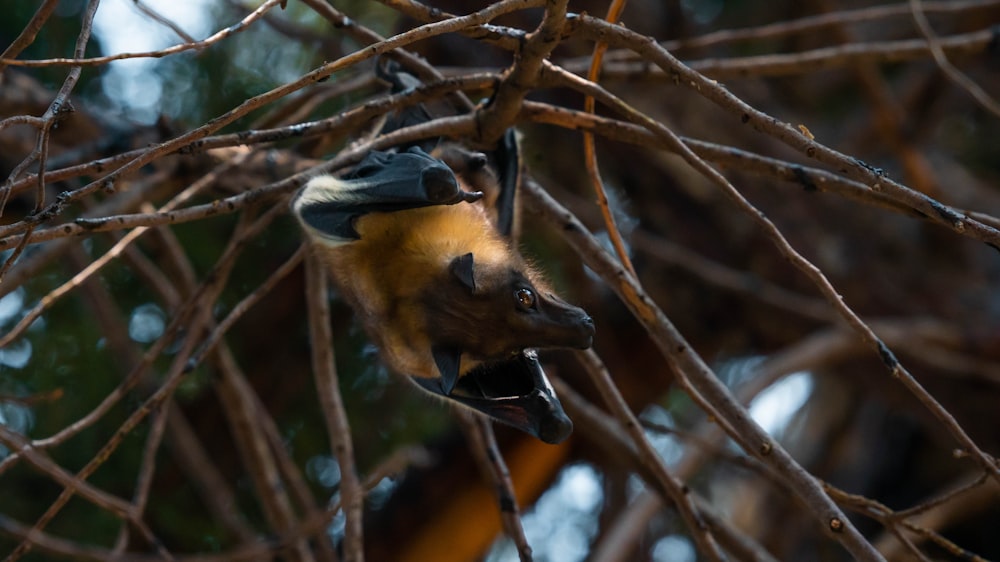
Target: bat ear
point(462, 268)
point(447, 360)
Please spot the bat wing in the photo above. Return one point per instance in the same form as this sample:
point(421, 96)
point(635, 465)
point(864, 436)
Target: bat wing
point(515, 392)
point(382, 182)
point(402, 81)
point(506, 157)
point(508, 163)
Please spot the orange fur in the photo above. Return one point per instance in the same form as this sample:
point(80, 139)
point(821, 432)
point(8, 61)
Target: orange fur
point(400, 255)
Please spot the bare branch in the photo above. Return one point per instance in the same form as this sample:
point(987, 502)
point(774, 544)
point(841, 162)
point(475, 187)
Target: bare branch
point(327, 386)
point(980, 95)
point(108, 224)
point(79, 61)
point(697, 378)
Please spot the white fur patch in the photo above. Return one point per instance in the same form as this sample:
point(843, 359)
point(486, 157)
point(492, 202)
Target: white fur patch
point(326, 189)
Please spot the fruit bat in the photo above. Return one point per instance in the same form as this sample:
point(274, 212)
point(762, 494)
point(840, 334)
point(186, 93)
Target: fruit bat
point(418, 245)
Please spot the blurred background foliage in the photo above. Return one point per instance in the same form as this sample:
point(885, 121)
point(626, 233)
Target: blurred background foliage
point(65, 365)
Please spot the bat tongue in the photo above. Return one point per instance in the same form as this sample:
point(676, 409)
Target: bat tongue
point(514, 391)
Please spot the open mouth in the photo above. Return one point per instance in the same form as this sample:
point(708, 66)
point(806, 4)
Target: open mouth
point(513, 391)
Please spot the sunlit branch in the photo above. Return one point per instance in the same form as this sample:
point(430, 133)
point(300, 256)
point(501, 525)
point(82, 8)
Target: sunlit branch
point(419, 33)
point(79, 61)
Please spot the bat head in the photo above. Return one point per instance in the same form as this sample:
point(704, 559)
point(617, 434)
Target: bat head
point(491, 310)
point(495, 315)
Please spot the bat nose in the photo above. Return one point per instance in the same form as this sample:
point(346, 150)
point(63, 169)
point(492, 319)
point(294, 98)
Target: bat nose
point(575, 327)
point(587, 331)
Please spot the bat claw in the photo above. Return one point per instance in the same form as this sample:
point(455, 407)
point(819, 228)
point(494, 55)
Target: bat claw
point(442, 189)
point(470, 196)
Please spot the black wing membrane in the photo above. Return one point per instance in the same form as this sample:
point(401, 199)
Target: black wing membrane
point(514, 392)
point(401, 81)
point(382, 182)
point(394, 181)
point(508, 161)
point(505, 158)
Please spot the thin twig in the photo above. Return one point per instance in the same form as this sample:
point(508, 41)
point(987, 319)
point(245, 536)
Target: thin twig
point(720, 95)
point(29, 32)
point(366, 36)
point(145, 479)
point(483, 446)
point(79, 61)
point(164, 21)
point(883, 514)
point(246, 304)
point(888, 117)
point(590, 153)
point(292, 476)
point(167, 147)
point(805, 62)
point(696, 377)
point(214, 490)
point(954, 74)
point(676, 491)
point(732, 279)
point(327, 387)
point(16, 443)
point(240, 406)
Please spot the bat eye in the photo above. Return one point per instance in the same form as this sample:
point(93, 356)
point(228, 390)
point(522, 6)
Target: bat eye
point(525, 298)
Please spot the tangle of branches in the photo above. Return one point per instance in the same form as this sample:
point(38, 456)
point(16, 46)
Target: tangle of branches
point(742, 198)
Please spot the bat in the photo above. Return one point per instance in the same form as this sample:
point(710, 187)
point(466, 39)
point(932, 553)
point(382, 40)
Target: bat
point(418, 245)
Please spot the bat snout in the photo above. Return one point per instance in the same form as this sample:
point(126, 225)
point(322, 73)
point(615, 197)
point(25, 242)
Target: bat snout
point(570, 326)
point(585, 333)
